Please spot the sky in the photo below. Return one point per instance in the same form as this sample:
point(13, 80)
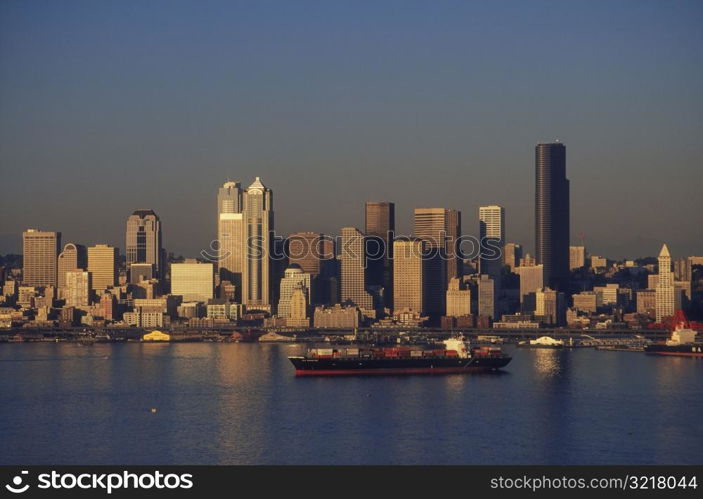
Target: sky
point(111, 106)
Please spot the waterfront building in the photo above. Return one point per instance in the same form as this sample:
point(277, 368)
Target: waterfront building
point(298, 316)
point(337, 317)
point(550, 306)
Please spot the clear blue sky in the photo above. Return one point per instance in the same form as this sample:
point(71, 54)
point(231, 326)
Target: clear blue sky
point(110, 106)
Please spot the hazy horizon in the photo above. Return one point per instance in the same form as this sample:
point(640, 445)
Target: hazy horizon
point(106, 108)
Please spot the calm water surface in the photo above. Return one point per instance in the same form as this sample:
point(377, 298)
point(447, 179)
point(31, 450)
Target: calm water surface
point(65, 403)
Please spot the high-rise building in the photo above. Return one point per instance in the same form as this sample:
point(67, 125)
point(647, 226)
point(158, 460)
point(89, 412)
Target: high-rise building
point(77, 289)
point(409, 275)
point(665, 286)
point(492, 237)
point(298, 316)
point(102, 265)
point(577, 257)
point(552, 214)
point(73, 257)
point(294, 278)
point(513, 254)
point(353, 269)
point(40, 257)
point(550, 306)
point(315, 254)
point(108, 306)
point(140, 272)
point(257, 246)
point(531, 279)
point(193, 280)
point(380, 228)
point(458, 298)
point(486, 296)
point(440, 228)
point(143, 239)
point(230, 234)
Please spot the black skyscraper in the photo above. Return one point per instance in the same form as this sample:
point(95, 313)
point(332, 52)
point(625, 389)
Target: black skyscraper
point(552, 214)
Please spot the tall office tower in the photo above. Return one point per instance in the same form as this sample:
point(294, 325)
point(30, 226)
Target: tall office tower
point(665, 286)
point(73, 257)
point(577, 257)
point(77, 288)
point(298, 315)
point(531, 279)
point(492, 236)
point(140, 272)
point(193, 280)
point(230, 235)
point(486, 297)
point(310, 251)
point(380, 223)
point(513, 254)
point(353, 269)
point(682, 269)
point(550, 304)
point(40, 256)
point(294, 278)
point(143, 239)
point(458, 298)
point(108, 306)
point(409, 275)
point(257, 246)
point(552, 214)
point(102, 265)
point(440, 228)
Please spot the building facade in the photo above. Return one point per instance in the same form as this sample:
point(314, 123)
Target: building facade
point(40, 257)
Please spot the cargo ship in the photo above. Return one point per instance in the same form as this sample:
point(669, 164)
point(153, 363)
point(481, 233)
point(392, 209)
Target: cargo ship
point(456, 356)
point(682, 343)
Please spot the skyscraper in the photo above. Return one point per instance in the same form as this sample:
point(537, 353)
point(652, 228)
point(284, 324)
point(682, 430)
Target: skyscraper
point(73, 257)
point(193, 280)
point(314, 253)
point(257, 245)
point(353, 269)
point(143, 239)
point(577, 257)
point(380, 226)
point(294, 278)
point(40, 257)
point(102, 265)
point(77, 288)
point(230, 235)
point(512, 255)
point(409, 275)
point(440, 228)
point(665, 286)
point(552, 214)
point(492, 236)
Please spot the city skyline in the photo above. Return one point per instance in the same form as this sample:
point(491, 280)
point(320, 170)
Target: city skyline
point(421, 105)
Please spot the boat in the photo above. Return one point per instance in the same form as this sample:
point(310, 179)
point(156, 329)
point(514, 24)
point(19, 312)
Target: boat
point(272, 337)
point(456, 356)
point(682, 343)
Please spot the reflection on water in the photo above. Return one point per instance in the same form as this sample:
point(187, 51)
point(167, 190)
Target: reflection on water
point(547, 361)
point(241, 404)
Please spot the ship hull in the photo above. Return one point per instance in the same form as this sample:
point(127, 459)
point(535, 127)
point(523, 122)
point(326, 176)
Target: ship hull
point(676, 350)
point(356, 367)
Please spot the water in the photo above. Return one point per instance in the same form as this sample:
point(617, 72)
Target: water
point(64, 403)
